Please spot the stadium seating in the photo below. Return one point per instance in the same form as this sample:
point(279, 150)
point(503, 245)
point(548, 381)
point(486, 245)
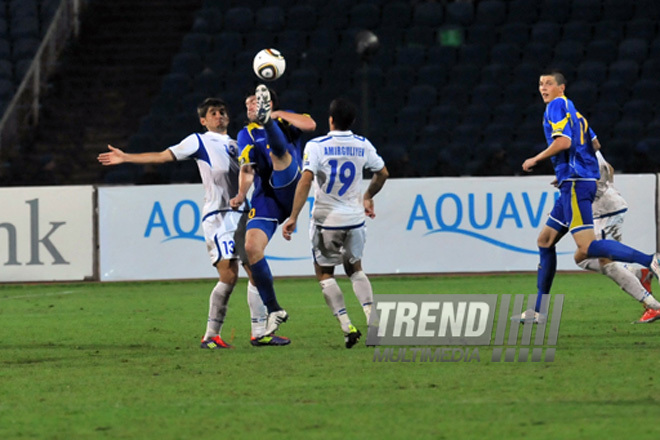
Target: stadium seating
point(491, 12)
point(445, 116)
point(638, 110)
point(239, 19)
point(270, 18)
point(522, 11)
point(593, 71)
point(643, 28)
point(586, 10)
point(462, 72)
point(635, 49)
point(398, 15)
point(423, 95)
point(198, 43)
point(577, 30)
point(505, 53)
point(301, 17)
point(625, 71)
point(604, 50)
point(496, 73)
point(585, 92)
point(428, 14)
point(557, 11)
point(460, 13)
point(608, 30)
point(514, 33)
point(617, 10)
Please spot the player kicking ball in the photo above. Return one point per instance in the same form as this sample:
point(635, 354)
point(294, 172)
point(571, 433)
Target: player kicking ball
point(270, 161)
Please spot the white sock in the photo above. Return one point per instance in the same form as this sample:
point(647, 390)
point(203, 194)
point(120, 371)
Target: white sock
point(635, 269)
point(591, 264)
point(363, 292)
point(258, 311)
point(217, 309)
point(626, 280)
point(334, 298)
point(650, 302)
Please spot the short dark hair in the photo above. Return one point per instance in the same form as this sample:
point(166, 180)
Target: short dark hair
point(557, 75)
point(203, 108)
point(343, 113)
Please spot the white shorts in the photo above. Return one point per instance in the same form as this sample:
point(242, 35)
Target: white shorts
point(224, 233)
point(331, 247)
point(609, 227)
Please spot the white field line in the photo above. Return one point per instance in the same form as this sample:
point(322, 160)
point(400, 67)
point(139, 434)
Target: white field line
point(43, 295)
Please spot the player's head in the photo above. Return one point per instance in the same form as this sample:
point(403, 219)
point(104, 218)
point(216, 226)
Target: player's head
point(552, 84)
point(342, 114)
point(213, 114)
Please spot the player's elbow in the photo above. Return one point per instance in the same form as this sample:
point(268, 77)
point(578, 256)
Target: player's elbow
point(310, 125)
point(383, 174)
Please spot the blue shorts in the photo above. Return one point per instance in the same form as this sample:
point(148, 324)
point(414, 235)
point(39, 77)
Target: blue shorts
point(268, 226)
point(276, 203)
point(572, 211)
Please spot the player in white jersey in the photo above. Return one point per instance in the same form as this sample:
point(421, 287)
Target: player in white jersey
point(216, 155)
point(334, 164)
point(609, 210)
point(609, 206)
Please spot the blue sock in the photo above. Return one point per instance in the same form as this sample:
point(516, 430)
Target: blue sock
point(546, 273)
point(276, 138)
point(263, 279)
point(618, 251)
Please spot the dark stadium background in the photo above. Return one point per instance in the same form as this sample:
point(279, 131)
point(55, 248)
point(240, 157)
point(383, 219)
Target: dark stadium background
point(452, 90)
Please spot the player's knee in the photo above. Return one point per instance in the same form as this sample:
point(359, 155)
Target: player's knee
point(580, 255)
point(229, 277)
point(254, 252)
point(544, 241)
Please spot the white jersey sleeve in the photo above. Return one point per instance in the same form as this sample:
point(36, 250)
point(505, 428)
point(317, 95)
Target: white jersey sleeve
point(374, 161)
point(186, 148)
point(310, 157)
point(608, 200)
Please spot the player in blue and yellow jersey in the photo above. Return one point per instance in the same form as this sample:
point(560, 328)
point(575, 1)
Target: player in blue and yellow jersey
point(270, 158)
point(576, 168)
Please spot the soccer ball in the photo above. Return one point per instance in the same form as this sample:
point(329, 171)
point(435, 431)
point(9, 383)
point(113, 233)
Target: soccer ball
point(269, 64)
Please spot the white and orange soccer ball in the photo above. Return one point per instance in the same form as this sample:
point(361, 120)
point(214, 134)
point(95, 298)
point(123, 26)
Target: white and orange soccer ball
point(269, 64)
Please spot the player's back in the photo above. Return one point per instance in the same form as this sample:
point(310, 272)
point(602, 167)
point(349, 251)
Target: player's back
point(337, 161)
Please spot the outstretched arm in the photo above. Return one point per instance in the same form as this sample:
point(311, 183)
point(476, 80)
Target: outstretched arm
point(376, 184)
point(299, 199)
point(116, 156)
point(298, 120)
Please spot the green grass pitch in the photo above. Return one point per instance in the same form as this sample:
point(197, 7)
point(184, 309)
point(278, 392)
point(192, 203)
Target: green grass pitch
point(122, 361)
